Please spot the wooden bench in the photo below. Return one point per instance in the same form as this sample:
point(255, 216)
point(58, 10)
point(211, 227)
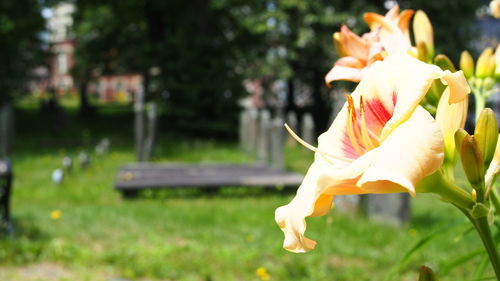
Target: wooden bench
point(134, 177)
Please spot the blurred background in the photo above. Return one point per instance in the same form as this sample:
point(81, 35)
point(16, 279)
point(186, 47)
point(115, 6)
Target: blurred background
point(102, 100)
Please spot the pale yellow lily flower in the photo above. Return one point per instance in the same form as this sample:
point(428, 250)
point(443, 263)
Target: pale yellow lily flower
point(389, 34)
point(495, 8)
point(382, 141)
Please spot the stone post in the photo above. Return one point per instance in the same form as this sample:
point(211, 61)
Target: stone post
point(308, 129)
point(139, 124)
point(393, 208)
point(277, 144)
point(263, 149)
point(152, 113)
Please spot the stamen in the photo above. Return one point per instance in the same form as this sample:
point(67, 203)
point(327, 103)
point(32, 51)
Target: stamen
point(312, 148)
point(367, 142)
point(351, 118)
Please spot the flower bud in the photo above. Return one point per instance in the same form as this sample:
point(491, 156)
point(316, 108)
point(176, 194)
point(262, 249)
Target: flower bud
point(444, 63)
point(422, 28)
point(472, 162)
point(494, 167)
point(422, 52)
point(486, 135)
point(497, 62)
point(450, 118)
point(426, 274)
point(485, 64)
point(460, 134)
point(467, 64)
point(488, 85)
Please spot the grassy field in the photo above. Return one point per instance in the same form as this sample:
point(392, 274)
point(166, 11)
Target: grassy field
point(94, 234)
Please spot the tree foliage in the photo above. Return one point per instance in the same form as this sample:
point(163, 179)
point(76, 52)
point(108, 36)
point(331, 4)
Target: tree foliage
point(21, 24)
point(204, 49)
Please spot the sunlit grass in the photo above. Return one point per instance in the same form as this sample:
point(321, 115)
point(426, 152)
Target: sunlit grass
point(192, 235)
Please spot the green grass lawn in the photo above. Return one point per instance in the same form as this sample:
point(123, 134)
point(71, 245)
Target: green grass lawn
point(189, 235)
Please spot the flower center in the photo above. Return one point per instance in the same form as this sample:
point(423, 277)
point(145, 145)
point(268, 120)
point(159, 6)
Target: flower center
point(360, 136)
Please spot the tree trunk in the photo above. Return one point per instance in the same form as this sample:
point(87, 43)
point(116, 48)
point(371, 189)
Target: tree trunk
point(321, 106)
point(84, 100)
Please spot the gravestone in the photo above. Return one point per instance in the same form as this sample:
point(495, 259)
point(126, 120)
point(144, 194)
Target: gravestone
point(84, 160)
point(307, 130)
point(293, 123)
point(152, 114)
point(106, 144)
point(102, 147)
point(277, 160)
point(264, 141)
point(392, 208)
point(57, 176)
point(67, 163)
point(253, 130)
point(6, 129)
point(243, 129)
point(139, 123)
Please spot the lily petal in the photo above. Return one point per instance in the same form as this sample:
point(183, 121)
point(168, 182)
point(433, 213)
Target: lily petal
point(352, 44)
point(412, 151)
point(314, 198)
point(404, 92)
point(346, 68)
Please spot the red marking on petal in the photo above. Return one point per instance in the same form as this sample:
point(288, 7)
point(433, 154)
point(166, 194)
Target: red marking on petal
point(376, 115)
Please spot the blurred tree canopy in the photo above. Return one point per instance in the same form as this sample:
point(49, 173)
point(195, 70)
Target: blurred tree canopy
point(194, 55)
point(21, 24)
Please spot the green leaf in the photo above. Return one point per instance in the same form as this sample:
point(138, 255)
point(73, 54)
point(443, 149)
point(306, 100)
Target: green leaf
point(445, 269)
point(419, 245)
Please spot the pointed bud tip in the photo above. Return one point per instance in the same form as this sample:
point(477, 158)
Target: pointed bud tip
point(486, 134)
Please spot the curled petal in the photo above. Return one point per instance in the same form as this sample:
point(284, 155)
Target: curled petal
point(340, 72)
point(352, 44)
point(314, 198)
point(404, 22)
point(413, 151)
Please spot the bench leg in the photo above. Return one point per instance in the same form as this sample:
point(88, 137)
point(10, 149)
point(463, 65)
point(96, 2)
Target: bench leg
point(130, 193)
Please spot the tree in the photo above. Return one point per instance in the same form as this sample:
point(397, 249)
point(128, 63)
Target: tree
point(21, 24)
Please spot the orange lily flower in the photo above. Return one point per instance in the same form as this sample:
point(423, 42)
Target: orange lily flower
point(382, 141)
point(357, 54)
point(389, 34)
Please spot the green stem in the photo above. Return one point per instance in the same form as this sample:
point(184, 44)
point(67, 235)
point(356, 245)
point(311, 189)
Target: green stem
point(483, 229)
point(480, 102)
point(437, 184)
point(495, 200)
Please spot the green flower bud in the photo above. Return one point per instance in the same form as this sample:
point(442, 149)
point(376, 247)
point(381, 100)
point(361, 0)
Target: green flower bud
point(486, 135)
point(467, 64)
point(426, 274)
point(459, 137)
point(423, 31)
point(472, 162)
point(422, 52)
point(485, 64)
point(444, 63)
point(488, 84)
